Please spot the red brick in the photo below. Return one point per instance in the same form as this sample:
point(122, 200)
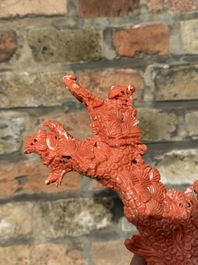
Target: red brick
point(10, 8)
point(29, 177)
point(112, 252)
point(103, 8)
point(8, 44)
point(176, 6)
point(99, 83)
point(148, 39)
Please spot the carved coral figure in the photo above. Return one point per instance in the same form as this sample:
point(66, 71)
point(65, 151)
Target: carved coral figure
point(167, 220)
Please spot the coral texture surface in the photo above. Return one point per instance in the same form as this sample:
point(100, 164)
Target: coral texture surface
point(167, 220)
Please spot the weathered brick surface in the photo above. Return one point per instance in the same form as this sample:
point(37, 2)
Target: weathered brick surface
point(184, 6)
point(72, 217)
point(189, 35)
point(29, 177)
point(99, 83)
point(50, 45)
point(148, 39)
point(191, 123)
point(77, 124)
point(11, 128)
point(102, 8)
point(112, 252)
point(42, 254)
point(10, 8)
point(176, 83)
point(22, 89)
point(8, 44)
point(15, 255)
point(15, 220)
point(155, 5)
point(157, 125)
point(176, 6)
point(56, 254)
point(179, 167)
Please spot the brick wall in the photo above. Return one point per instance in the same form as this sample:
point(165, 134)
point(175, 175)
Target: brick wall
point(152, 44)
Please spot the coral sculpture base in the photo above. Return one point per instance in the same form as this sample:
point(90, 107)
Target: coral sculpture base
point(167, 220)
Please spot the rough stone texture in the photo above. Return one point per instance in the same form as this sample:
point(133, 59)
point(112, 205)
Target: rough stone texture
point(149, 39)
point(15, 220)
point(72, 217)
point(189, 35)
point(22, 89)
point(8, 44)
point(10, 133)
point(56, 254)
point(11, 8)
point(15, 255)
point(102, 8)
point(42, 254)
point(29, 177)
point(176, 83)
point(176, 6)
point(112, 252)
point(99, 83)
point(191, 120)
point(50, 45)
point(178, 167)
point(157, 125)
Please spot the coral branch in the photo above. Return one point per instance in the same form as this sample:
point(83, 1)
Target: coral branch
point(164, 218)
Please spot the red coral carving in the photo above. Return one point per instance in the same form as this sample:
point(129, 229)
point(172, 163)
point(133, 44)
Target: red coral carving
point(167, 220)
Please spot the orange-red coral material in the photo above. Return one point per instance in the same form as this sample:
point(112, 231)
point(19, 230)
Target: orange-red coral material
point(167, 220)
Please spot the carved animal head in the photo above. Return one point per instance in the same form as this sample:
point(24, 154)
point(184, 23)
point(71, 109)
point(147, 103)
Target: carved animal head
point(43, 143)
